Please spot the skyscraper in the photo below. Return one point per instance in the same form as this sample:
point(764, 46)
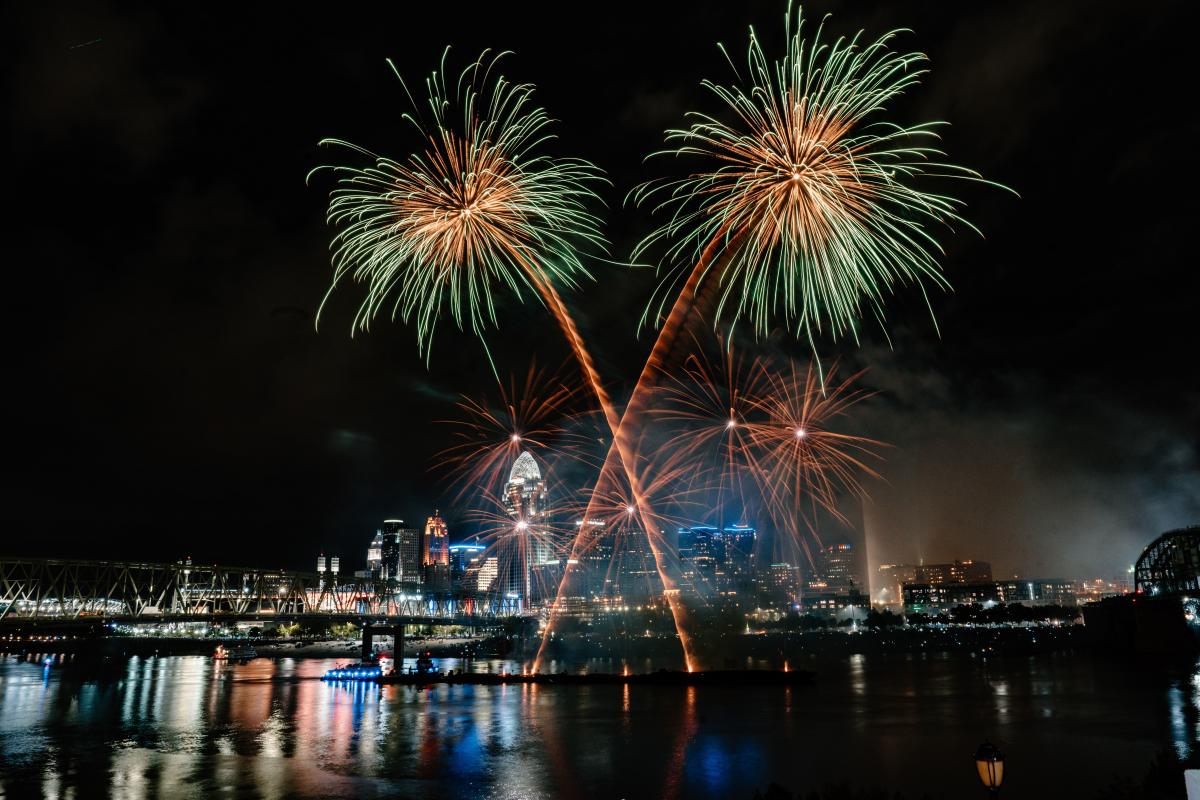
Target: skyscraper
point(781, 583)
point(702, 557)
point(462, 556)
point(400, 552)
point(375, 555)
point(436, 546)
point(411, 569)
point(524, 546)
point(739, 558)
point(525, 492)
point(594, 577)
point(837, 568)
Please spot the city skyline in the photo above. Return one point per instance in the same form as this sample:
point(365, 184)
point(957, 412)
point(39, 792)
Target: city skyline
point(779, 399)
point(1002, 433)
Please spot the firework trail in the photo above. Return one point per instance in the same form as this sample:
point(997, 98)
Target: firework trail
point(809, 211)
point(475, 209)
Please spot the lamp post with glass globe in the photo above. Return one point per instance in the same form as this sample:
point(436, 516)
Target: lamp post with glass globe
point(989, 762)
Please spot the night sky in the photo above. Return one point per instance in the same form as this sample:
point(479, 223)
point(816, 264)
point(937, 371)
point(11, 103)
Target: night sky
point(169, 395)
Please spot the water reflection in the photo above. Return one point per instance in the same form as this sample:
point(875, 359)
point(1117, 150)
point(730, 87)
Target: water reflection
point(189, 726)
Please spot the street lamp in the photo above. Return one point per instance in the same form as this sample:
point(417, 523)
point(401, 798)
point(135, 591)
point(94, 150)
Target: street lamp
point(989, 761)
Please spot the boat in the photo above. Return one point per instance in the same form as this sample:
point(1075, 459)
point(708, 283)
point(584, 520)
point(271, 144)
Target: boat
point(235, 653)
point(354, 672)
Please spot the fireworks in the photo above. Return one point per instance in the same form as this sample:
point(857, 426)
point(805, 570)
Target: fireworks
point(762, 439)
point(705, 411)
point(477, 208)
point(539, 414)
point(527, 545)
point(804, 464)
point(809, 212)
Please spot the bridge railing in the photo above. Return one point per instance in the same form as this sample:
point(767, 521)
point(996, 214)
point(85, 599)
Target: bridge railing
point(40, 589)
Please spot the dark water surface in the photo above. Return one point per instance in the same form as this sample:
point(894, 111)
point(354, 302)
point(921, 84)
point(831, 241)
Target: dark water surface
point(184, 726)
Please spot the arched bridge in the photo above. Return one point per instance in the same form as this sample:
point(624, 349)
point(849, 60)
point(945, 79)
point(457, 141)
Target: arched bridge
point(1170, 564)
point(61, 590)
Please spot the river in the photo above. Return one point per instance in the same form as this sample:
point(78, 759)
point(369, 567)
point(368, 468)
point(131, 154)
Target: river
point(186, 726)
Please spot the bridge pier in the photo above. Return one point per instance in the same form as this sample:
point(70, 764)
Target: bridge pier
point(371, 631)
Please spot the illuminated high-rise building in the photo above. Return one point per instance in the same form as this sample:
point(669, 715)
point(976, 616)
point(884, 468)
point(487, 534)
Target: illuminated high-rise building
point(481, 574)
point(436, 544)
point(400, 552)
point(435, 558)
point(637, 574)
point(781, 585)
point(412, 572)
point(525, 492)
point(739, 565)
point(836, 569)
point(375, 555)
point(594, 576)
point(462, 556)
point(701, 557)
point(525, 497)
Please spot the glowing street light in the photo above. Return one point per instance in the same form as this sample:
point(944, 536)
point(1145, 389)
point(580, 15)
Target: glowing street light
point(989, 762)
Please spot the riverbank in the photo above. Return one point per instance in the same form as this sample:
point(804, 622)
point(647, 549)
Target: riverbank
point(125, 646)
point(730, 677)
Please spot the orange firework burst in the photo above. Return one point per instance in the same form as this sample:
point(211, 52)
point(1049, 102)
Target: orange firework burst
point(705, 410)
point(527, 543)
point(764, 439)
point(539, 414)
point(805, 463)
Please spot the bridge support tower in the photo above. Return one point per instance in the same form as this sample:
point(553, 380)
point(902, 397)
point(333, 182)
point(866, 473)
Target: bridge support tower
point(369, 633)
